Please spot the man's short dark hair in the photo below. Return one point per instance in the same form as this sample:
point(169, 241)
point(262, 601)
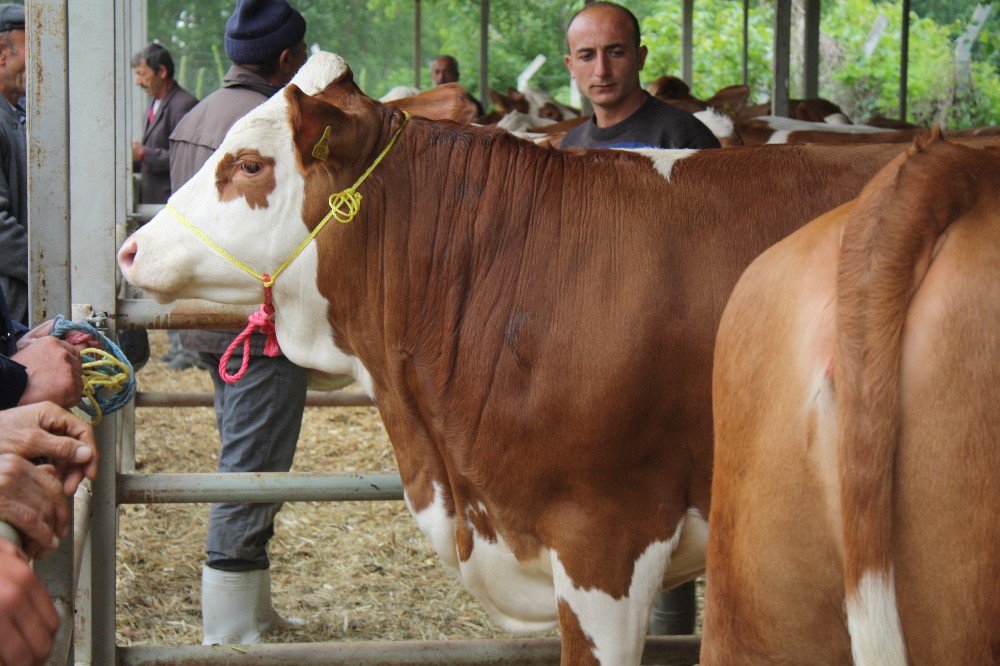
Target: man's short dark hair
point(614, 5)
point(155, 55)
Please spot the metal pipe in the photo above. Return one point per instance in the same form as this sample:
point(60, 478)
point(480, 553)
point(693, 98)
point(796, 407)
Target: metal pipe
point(484, 52)
point(810, 70)
point(687, 41)
point(678, 650)
point(416, 43)
point(746, 42)
point(904, 59)
point(81, 526)
point(782, 55)
point(254, 487)
point(313, 399)
point(146, 313)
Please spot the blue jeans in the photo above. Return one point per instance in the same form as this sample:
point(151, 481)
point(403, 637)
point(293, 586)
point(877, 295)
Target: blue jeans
point(259, 418)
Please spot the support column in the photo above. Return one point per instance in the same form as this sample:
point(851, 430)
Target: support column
point(782, 56)
point(904, 59)
point(687, 42)
point(484, 53)
point(417, 64)
point(810, 73)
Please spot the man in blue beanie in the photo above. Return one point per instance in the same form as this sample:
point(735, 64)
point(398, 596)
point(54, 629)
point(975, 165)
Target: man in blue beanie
point(259, 417)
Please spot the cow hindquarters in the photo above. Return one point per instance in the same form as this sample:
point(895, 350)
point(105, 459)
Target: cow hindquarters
point(774, 590)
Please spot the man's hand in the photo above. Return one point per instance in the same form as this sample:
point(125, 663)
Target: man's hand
point(28, 618)
point(32, 501)
point(137, 151)
point(45, 431)
point(55, 371)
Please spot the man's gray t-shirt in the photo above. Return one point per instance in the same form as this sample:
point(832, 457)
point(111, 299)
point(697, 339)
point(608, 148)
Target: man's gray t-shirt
point(655, 124)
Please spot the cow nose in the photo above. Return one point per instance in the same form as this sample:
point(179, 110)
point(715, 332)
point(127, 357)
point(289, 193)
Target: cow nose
point(126, 255)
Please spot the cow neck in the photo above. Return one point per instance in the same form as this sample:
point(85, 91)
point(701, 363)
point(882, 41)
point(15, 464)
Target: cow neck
point(344, 206)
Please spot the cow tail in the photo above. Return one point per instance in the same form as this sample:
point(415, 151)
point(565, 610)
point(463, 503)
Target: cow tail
point(886, 250)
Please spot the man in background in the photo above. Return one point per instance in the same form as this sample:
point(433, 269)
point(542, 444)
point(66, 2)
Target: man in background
point(605, 56)
point(444, 69)
point(259, 417)
point(154, 73)
point(14, 162)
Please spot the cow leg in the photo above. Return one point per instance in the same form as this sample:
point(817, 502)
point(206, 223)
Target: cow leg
point(607, 627)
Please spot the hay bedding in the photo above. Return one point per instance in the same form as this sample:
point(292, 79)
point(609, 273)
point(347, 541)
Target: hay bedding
point(353, 570)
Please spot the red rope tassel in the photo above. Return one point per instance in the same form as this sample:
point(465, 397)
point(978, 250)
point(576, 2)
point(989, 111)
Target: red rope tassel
point(263, 321)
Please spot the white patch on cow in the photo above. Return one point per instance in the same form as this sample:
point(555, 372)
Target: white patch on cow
point(873, 622)
point(664, 159)
point(515, 121)
point(437, 525)
point(784, 126)
point(517, 594)
point(617, 627)
point(720, 124)
point(537, 99)
point(688, 559)
point(399, 92)
point(318, 72)
point(837, 119)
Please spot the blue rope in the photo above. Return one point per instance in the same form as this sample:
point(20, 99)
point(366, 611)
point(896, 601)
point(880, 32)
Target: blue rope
point(108, 400)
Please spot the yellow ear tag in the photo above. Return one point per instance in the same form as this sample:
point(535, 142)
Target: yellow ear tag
point(322, 148)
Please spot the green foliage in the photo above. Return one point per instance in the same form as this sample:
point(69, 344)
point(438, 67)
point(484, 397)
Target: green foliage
point(376, 37)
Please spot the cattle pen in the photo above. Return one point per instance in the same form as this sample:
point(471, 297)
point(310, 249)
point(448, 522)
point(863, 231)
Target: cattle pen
point(84, 204)
point(80, 99)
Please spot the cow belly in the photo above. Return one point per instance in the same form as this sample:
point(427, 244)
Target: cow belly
point(518, 595)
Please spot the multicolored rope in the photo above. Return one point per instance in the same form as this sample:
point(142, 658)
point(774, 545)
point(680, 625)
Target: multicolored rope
point(108, 378)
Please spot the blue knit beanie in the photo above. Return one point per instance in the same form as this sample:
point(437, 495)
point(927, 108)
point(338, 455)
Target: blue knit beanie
point(259, 30)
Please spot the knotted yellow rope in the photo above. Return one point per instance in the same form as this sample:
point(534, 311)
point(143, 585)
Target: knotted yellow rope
point(100, 375)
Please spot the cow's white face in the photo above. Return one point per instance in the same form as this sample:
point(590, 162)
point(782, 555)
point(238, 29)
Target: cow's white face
point(247, 198)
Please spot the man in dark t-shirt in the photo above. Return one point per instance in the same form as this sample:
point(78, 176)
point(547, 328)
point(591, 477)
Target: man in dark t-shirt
point(604, 58)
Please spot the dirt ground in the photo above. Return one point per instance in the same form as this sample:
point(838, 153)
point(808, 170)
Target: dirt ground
point(352, 570)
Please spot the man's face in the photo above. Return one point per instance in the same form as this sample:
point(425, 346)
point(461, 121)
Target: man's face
point(12, 66)
point(154, 83)
point(603, 59)
point(443, 71)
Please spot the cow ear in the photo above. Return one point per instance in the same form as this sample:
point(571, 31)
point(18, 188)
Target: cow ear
point(316, 126)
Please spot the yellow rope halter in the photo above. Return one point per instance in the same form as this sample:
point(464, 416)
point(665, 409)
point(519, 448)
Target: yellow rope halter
point(344, 206)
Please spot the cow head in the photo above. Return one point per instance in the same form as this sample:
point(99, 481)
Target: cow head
point(256, 197)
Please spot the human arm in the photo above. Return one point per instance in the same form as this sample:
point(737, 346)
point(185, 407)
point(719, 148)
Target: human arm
point(32, 496)
point(28, 618)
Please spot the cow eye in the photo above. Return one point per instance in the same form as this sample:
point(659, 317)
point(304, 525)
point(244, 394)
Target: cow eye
point(250, 168)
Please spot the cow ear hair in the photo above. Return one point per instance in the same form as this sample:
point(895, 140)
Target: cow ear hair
point(315, 124)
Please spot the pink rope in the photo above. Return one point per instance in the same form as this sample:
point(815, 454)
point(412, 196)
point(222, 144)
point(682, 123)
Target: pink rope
point(81, 338)
point(263, 321)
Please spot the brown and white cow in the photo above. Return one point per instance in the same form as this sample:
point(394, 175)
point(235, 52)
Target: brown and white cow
point(856, 488)
point(535, 326)
point(778, 130)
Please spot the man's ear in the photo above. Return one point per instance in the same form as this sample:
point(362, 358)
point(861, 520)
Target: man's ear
point(162, 72)
point(318, 128)
point(643, 52)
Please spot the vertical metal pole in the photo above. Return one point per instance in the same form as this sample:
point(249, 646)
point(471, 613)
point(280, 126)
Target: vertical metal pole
point(782, 56)
point(416, 44)
point(484, 51)
point(687, 43)
point(48, 166)
point(904, 59)
point(746, 42)
point(810, 73)
point(47, 44)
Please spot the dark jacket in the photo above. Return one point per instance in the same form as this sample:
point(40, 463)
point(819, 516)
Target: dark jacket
point(155, 166)
point(193, 142)
point(13, 210)
point(13, 376)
